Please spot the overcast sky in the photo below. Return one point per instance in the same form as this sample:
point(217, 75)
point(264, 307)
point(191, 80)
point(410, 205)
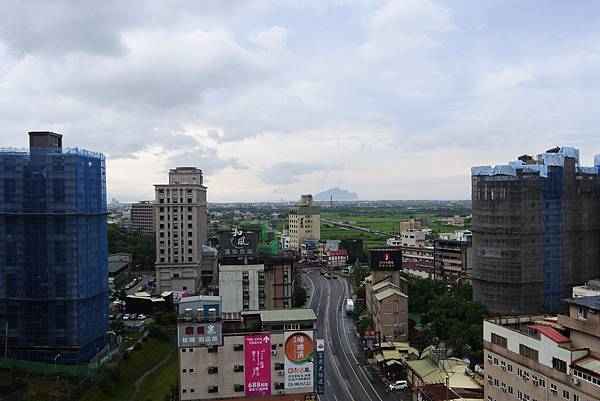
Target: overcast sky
point(389, 99)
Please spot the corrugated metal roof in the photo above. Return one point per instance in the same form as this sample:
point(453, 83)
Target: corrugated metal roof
point(589, 363)
point(388, 293)
point(550, 333)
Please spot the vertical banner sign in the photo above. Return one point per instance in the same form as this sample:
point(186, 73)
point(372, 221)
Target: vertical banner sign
point(320, 375)
point(299, 351)
point(257, 369)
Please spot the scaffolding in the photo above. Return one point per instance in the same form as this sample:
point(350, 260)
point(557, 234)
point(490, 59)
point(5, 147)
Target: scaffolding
point(536, 231)
point(53, 254)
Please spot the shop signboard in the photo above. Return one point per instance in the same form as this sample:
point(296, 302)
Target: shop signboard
point(257, 369)
point(298, 363)
point(199, 334)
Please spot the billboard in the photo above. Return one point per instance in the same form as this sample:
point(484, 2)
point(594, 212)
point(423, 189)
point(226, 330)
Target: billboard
point(257, 370)
point(237, 243)
point(199, 334)
point(320, 368)
point(385, 259)
point(298, 361)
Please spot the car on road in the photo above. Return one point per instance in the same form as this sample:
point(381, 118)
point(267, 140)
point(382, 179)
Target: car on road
point(399, 385)
point(126, 316)
point(141, 316)
point(133, 316)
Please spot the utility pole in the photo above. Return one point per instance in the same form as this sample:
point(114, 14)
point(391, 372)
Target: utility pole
point(447, 385)
point(6, 341)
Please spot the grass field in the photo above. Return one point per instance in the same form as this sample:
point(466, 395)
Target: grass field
point(156, 385)
point(151, 353)
point(388, 222)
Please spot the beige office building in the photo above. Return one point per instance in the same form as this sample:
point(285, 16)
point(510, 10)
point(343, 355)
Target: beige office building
point(304, 222)
point(181, 229)
point(538, 358)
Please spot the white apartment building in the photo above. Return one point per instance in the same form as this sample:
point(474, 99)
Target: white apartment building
point(181, 229)
point(242, 287)
point(538, 358)
point(589, 289)
point(304, 223)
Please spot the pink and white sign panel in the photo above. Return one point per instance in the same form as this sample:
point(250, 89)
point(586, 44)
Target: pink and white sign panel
point(257, 369)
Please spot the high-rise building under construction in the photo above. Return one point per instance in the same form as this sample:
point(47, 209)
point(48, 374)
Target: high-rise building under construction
point(53, 252)
point(536, 230)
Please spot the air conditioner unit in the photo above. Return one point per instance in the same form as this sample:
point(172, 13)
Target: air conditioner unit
point(575, 381)
point(280, 373)
point(281, 392)
point(273, 352)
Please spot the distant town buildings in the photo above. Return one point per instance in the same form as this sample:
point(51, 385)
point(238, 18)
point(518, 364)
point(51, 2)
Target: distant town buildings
point(142, 217)
point(181, 230)
point(536, 230)
point(589, 289)
point(247, 355)
point(545, 358)
point(304, 224)
point(452, 260)
point(54, 253)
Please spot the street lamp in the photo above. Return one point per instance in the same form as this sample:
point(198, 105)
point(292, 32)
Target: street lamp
point(55, 358)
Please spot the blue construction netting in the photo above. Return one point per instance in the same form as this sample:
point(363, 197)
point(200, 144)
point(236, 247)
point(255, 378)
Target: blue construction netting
point(53, 254)
point(552, 213)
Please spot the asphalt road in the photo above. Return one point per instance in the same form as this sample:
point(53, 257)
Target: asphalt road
point(348, 375)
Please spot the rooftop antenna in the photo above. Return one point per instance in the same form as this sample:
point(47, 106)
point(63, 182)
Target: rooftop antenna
point(331, 200)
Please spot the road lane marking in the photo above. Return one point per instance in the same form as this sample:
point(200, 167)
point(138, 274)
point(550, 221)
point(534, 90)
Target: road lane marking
point(345, 291)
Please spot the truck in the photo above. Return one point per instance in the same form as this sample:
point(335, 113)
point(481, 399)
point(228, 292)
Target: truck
point(349, 307)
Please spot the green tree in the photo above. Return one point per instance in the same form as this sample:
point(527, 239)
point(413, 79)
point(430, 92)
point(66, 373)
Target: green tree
point(299, 297)
point(141, 246)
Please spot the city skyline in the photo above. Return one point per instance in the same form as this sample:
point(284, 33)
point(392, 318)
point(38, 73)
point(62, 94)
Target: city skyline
point(397, 102)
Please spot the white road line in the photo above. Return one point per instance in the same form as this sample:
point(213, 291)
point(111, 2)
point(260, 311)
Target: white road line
point(347, 342)
point(333, 357)
point(345, 353)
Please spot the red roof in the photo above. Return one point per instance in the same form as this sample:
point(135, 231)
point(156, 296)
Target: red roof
point(550, 333)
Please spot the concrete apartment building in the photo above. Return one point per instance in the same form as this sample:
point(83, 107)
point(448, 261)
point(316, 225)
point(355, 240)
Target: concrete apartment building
point(386, 295)
point(412, 238)
point(249, 280)
point(180, 221)
point(248, 355)
point(536, 231)
point(304, 223)
point(411, 224)
point(142, 217)
point(545, 358)
point(452, 260)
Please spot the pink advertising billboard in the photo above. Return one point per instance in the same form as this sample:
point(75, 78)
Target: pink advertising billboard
point(257, 369)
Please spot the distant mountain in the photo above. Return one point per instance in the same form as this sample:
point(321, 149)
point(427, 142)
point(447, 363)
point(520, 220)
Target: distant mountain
point(337, 194)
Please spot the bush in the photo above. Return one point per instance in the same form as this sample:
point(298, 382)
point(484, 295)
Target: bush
point(137, 346)
point(155, 332)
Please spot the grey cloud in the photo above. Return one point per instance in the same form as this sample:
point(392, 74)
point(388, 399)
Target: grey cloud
point(289, 172)
point(205, 159)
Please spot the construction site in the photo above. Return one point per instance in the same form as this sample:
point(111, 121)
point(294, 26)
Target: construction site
point(536, 231)
point(54, 292)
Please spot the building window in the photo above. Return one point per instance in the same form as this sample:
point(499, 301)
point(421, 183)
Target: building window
point(553, 389)
point(238, 388)
point(582, 313)
point(499, 340)
point(528, 352)
point(566, 395)
point(559, 364)
point(576, 397)
point(238, 368)
point(212, 370)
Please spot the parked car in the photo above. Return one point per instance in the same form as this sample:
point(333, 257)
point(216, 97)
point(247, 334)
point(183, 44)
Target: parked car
point(133, 316)
point(141, 316)
point(399, 385)
point(126, 316)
